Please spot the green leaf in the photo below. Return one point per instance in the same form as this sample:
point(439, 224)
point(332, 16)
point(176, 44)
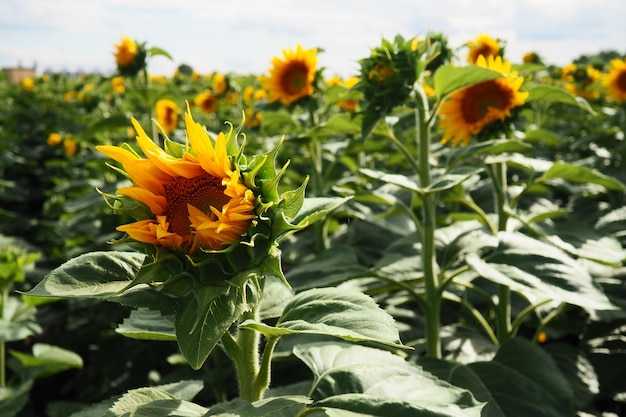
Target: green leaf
point(512, 388)
point(313, 209)
point(48, 360)
point(202, 319)
point(145, 324)
point(167, 399)
point(372, 382)
point(456, 156)
point(155, 51)
point(551, 94)
point(349, 315)
point(338, 125)
point(329, 268)
point(370, 405)
point(291, 201)
point(92, 275)
point(539, 270)
point(449, 78)
point(577, 173)
point(287, 406)
point(18, 321)
point(451, 179)
point(13, 399)
point(396, 179)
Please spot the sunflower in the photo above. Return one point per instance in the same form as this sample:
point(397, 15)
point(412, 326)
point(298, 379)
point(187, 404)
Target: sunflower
point(614, 81)
point(219, 83)
point(206, 101)
point(54, 139)
point(119, 84)
point(167, 115)
point(484, 45)
point(467, 111)
point(196, 200)
point(126, 51)
point(291, 78)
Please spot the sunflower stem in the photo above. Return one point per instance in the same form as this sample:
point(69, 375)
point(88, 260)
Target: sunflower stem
point(498, 173)
point(244, 351)
point(431, 280)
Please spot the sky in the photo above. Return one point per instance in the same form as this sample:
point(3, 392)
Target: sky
point(242, 36)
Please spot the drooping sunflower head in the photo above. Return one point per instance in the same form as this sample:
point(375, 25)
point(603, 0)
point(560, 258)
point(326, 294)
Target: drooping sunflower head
point(614, 81)
point(387, 78)
point(167, 113)
point(532, 58)
point(195, 197)
point(292, 77)
point(483, 45)
point(467, 111)
point(130, 56)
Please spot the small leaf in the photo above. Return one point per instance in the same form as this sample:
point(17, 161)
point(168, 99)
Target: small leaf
point(397, 179)
point(315, 208)
point(155, 51)
point(48, 360)
point(145, 324)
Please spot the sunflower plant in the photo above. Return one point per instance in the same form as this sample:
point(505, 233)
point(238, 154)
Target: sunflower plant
point(207, 225)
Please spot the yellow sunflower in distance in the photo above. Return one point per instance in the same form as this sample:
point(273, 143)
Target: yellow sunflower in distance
point(198, 201)
point(614, 81)
point(125, 52)
point(291, 78)
point(167, 115)
point(483, 45)
point(467, 111)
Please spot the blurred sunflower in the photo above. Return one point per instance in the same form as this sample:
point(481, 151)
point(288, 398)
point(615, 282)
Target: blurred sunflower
point(70, 145)
point(206, 101)
point(467, 111)
point(483, 45)
point(125, 52)
point(196, 200)
point(28, 84)
point(219, 84)
point(291, 78)
point(614, 81)
point(119, 85)
point(54, 139)
point(167, 115)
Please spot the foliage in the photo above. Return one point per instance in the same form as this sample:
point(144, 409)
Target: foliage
point(386, 274)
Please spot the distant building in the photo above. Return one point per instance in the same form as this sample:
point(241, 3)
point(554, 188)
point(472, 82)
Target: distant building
point(15, 75)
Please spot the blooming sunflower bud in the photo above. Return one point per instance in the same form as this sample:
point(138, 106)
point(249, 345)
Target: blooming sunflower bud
point(130, 57)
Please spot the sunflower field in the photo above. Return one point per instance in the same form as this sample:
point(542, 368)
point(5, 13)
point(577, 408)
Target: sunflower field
point(441, 234)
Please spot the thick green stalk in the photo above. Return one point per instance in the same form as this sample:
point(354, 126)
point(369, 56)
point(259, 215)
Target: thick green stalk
point(499, 178)
point(431, 280)
point(244, 351)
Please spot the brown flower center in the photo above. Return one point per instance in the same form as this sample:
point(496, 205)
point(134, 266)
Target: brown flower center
point(480, 97)
point(294, 79)
point(621, 81)
point(201, 192)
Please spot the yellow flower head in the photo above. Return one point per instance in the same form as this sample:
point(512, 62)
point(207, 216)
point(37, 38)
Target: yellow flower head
point(206, 101)
point(248, 94)
point(53, 139)
point(483, 45)
point(70, 145)
point(614, 81)
point(196, 200)
point(28, 84)
point(118, 84)
point(291, 78)
point(467, 111)
point(125, 52)
point(219, 84)
point(167, 115)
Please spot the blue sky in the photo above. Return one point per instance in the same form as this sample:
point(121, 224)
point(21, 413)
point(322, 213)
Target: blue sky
point(242, 36)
